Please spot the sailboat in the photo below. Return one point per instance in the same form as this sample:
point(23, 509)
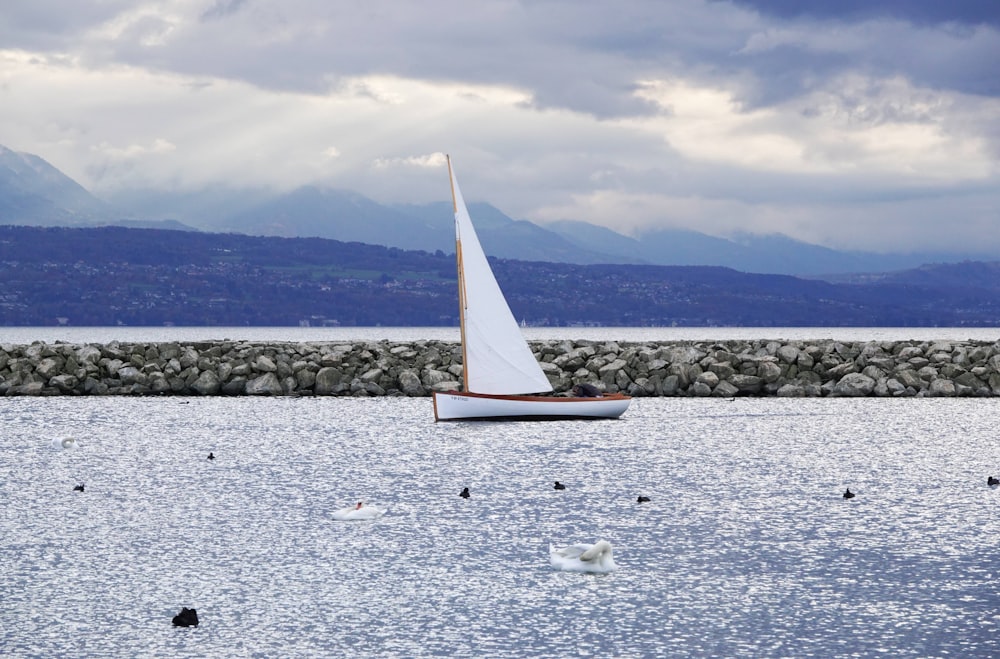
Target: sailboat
point(502, 380)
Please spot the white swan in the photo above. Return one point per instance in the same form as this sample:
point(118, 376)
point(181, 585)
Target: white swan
point(595, 558)
point(65, 443)
point(360, 511)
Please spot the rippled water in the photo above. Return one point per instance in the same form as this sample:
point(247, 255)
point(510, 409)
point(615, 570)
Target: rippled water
point(746, 549)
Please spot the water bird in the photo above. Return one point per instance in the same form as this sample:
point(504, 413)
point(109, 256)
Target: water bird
point(78, 488)
point(992, 482)
point(67, 443)
point(211, 456)
point(358, 512)
point(848, 494)
point(559, 486)
point(597, 558)
point(186, 618)
point(642, 499)
point(465, 493)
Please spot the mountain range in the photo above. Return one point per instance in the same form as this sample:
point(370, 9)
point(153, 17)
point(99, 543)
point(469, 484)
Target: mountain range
point(35, 193)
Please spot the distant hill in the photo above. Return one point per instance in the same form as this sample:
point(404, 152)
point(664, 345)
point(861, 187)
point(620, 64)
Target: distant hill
point(112, 275)
point(964, 276)
point(774, 254)
point(206, 209)
point(507, 238)
point(33, 192)
point(313, 211)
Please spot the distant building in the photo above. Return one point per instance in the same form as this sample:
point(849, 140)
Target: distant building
point(319, 321)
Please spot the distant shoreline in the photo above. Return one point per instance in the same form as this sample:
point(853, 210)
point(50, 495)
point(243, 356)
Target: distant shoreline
point(138, 334)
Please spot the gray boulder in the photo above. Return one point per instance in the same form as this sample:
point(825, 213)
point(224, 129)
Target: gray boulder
point(64, 383)
point(327, 380)
point(130, 375)
point(942, 387)
point(265, 385)
point(747, 384)
point(790, 390)
point(207, 384)
point(265, 364)
point(409, 384)
point(854, 384)
point(235, 387)
point(725, 389)
point(49, 367)
point(788, 354)
point(700, 389)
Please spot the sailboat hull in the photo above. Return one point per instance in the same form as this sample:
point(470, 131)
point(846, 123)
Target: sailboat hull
point(465, 406)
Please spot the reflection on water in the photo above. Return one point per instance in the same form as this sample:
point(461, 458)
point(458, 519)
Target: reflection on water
point(745, 549)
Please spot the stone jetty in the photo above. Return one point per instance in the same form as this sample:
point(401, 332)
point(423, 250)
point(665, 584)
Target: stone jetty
point(384, 368)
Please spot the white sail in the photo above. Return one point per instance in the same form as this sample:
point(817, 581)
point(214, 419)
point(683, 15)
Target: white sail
point(497, 359)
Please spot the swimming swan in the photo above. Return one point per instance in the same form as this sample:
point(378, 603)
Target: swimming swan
point(360, 511)
point(596, 558)
point(65, 443)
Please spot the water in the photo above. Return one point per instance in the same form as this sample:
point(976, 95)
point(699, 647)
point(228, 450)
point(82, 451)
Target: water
point(746, 548)
point(25, 335)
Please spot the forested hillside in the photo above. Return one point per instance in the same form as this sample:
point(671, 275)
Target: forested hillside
point(114, 275)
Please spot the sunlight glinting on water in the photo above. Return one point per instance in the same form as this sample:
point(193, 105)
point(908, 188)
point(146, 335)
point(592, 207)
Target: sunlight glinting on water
point(746, 548)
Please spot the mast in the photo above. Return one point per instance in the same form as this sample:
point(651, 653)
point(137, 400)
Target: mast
point(492, 343)
point(462, 305)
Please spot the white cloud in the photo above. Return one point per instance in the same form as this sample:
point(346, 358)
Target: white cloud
point(853, 124)
point(689, 114)
point(432, 160)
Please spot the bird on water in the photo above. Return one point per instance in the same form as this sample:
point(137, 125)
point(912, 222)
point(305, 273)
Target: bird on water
point(186, 618)
point(559, 486)
point(464, 493)
point(848, 494)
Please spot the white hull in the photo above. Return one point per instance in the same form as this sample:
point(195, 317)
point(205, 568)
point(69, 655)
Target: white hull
point(459, 406)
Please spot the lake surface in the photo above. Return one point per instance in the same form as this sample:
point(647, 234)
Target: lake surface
point(746, 549)
point(26, 335)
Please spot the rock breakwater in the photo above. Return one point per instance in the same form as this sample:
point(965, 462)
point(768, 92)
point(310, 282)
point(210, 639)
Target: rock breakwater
point(384, 368)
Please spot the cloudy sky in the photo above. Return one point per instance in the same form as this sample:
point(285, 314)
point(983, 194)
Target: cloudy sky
point(869, 124)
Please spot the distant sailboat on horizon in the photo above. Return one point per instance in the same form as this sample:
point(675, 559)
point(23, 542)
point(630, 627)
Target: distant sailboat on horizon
point(499, 370)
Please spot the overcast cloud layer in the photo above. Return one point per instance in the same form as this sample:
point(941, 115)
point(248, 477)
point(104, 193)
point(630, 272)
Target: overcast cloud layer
point(863, 124)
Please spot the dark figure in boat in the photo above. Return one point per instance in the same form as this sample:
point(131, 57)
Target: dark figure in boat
point(586, 390)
